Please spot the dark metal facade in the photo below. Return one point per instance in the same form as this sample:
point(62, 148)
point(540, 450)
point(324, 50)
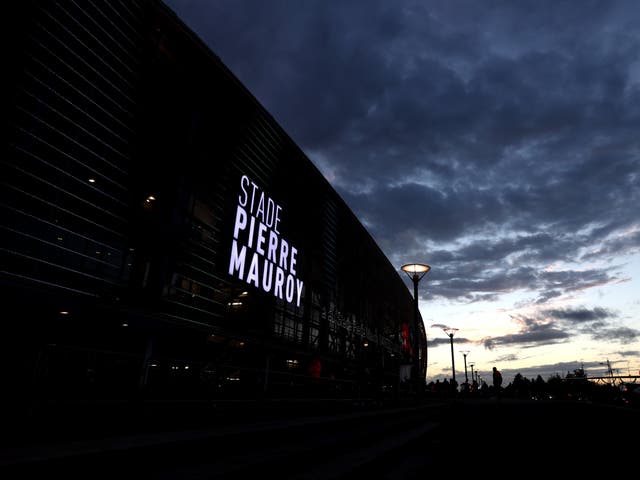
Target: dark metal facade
point(131, 150)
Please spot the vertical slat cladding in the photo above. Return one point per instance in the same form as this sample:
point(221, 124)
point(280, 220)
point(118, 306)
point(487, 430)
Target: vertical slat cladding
point(74, 121)
point(329, 243)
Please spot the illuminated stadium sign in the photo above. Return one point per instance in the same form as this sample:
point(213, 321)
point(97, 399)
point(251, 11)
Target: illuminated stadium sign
point(259, 254)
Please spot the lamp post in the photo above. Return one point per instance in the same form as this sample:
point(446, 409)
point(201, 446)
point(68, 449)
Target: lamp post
point(466, 377)
point(450, 332)
point(471, 364)
point(416, 271)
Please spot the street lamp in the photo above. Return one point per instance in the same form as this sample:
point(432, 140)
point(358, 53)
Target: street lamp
point(466, 377)
point(416, 271)
point(471, 364)
point(450, 332)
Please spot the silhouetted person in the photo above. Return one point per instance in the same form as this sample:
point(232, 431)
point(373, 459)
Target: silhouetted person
point(497, 381)
point(484, 389)
point(454, 386)
point(446, 388)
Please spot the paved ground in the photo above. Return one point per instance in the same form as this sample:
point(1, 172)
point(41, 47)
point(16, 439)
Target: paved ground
point(459, 436)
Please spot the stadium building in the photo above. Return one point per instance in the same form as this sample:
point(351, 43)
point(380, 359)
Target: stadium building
point(163, 238)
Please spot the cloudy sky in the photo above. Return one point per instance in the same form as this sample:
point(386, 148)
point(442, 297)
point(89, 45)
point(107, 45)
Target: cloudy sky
point(497, 141)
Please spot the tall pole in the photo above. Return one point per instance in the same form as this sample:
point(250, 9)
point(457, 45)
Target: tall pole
point(450, 332)
point(466, 377)
point(416, 271)
point(453, 362)
point(471, 364)
point(416, 336)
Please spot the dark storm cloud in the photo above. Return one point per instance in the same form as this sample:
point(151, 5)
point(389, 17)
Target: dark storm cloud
point(581, 315)
point(629, 353)
point(622, 335)
point(535, 335)
point(623, 244)
point(490, 139)
point(561, 325)
point(487, 268)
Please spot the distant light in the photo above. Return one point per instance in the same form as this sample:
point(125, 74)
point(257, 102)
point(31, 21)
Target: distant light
point(234, 304)
point(150, 198)
point(292, 363)
point(125, 324)
point(92, 180)
point(64, 312)
point(60, 238)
